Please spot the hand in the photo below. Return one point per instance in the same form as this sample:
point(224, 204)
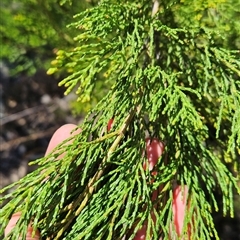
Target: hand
point(154, 151)
point(59, 136)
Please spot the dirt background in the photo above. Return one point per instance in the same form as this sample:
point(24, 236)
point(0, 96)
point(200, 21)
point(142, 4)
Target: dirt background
point(31, 109)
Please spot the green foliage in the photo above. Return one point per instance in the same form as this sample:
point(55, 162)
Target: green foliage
point(31, 30)
point(165, 76)
point(218, 16)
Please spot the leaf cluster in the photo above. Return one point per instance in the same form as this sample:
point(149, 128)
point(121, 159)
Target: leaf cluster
point(31, 30)
point(163, 80)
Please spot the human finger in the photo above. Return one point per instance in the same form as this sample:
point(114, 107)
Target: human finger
point(59, 136)
point(62, 134)
point(154, 150)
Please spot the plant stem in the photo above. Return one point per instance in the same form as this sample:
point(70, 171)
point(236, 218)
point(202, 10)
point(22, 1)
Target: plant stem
point(90, 188)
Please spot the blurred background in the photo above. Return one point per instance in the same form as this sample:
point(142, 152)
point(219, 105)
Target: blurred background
point(32, 106)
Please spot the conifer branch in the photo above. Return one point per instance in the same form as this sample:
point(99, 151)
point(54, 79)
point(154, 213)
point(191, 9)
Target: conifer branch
point(91, 186)
point(155, 7)
point(57, 29)
point(226, 61)
point(181, 85)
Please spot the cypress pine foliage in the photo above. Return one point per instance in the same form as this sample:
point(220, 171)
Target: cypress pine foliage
point(168, 74)
point(31, 29)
